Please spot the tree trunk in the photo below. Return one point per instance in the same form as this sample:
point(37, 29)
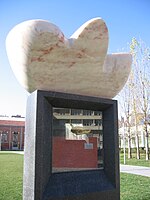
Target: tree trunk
point(129, 148)
point(146, 146)
point(129, 142)
point(136, 135)
point(137, 146)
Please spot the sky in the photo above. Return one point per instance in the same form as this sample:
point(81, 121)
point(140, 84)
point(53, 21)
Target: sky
point(125, 19)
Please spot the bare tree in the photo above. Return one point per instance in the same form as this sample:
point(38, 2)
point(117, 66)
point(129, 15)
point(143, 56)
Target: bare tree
point(144, 76)
point(125, 103)
point(135, 91)
point(135, 96)
point(141, 66)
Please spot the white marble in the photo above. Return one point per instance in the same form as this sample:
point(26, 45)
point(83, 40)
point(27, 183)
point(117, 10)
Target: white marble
point(43, 58)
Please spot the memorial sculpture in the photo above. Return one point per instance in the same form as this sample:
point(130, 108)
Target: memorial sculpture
point(74, 73)
point(43, 58)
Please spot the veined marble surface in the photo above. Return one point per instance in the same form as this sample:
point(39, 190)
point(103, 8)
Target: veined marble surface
point(43, 58)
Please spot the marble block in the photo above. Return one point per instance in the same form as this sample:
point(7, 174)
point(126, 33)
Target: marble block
point(43, 58)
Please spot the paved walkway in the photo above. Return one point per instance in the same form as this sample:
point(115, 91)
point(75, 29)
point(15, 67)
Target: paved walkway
point(18, 152)
point(138, 170)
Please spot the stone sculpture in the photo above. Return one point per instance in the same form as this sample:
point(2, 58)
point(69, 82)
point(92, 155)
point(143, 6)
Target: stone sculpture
point(43, 58)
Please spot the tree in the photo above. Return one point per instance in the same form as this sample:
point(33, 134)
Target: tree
point(135, 91)
point(143, 65)
point(136, 94)
point(125, 96)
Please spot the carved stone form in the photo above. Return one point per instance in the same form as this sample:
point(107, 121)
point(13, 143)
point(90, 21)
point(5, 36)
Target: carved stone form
point(43, 58)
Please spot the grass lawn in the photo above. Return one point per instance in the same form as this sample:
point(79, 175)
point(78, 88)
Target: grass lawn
point(133, 187)
point(11, 175)
point(134, 161)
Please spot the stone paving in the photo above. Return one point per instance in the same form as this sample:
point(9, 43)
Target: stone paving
point(138, 170)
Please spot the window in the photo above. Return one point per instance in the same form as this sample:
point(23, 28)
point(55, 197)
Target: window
point(76, 112)
point(15, 139)
point(4, 137)
point(97, 112)
point(76, 121)
point(98, 122)
point(87, 122)
point(87, 112)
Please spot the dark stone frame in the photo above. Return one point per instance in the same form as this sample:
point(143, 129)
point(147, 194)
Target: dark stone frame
point(39, 181)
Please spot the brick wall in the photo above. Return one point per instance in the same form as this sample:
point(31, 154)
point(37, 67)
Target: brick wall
point(12, 123)
point(8, 127)
point(72, 154)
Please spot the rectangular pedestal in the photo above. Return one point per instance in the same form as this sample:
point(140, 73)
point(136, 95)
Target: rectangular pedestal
point(40, 183)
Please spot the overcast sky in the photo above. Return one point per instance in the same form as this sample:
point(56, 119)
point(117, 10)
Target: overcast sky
point(125, 19)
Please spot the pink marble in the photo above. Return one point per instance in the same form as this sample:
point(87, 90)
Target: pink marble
point(43, 58)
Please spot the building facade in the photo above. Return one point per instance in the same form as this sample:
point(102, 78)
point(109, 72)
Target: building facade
point(66, 124)
point(12, 131)
point(69, 122)
point(128, 132)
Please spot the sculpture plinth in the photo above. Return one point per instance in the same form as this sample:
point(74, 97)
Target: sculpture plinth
point(40, 182)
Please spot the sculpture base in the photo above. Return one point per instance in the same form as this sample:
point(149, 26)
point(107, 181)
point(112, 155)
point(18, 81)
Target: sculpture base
point(40, 183)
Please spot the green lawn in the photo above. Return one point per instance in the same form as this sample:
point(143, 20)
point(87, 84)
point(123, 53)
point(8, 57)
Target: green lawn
point(11, 175)
point(134, 161)
point(133, 187)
